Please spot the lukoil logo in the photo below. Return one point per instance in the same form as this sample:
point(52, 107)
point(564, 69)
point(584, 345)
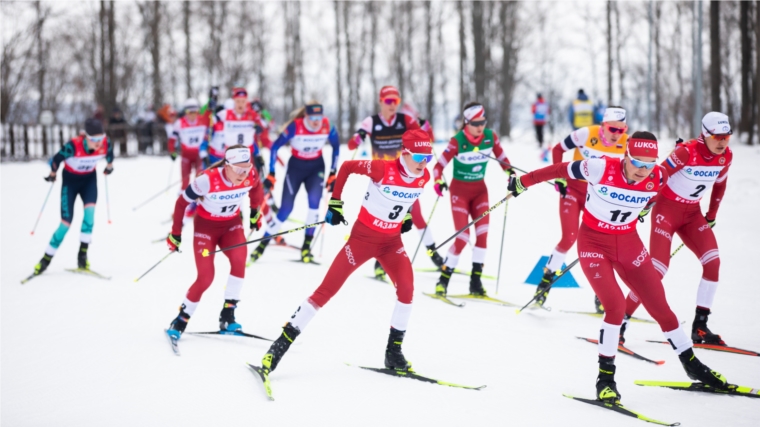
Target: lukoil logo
point(644, 144)
point(592, 255)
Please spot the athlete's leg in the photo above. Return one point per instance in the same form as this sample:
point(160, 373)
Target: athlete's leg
point(478, 205)
point(700, 239)
point(395, 261)
point(89, 194)
point(206, 236)
point(69, 190)
point(292, 182)
point(237, 256)
point(460, 211)
point(570, 208)
point(314, 184)
point(185, 166)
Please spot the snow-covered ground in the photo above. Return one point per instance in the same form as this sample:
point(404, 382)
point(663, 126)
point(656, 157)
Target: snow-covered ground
point(79, 351)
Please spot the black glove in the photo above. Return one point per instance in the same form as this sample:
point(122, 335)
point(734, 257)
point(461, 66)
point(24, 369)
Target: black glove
point(407, 224)
point(515, 186)
point(258, 161)
point(330, 186)
point(108, 170)
point(560, 184)
point(174, 156)
point(710, 222)
point(255, 219)
point(269, 181)
point(50, 178)
point(679, 141)
point(335, 212)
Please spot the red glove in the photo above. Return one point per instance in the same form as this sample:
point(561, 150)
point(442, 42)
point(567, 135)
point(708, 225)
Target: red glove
point(355, 142)
point(330, 185)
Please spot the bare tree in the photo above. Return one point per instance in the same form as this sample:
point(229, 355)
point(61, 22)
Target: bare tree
point(756, 127)
point(508, 19)
point(746, 124)
point(339, 68)
point(479, 43)
point(715, 60)
point(151, 14)
point(188, 58)
point(463, 92)
point(15, 62)
point(430, 99)
point(609, 52)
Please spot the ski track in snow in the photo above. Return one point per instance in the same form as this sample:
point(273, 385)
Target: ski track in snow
point(79, 351)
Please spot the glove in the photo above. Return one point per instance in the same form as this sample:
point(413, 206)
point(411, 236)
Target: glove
point(407, 224)
point(255, 219)
point(710, 222)
point(335, 212)
point(330, 186)
point(560, 184)
point(645, 212)
point(440, 186)
point(515, 186)
point(679, 141)
point(258, 161)
point(509, 173)
point(50, 178)
point(108, 170)
point(357, 140)
point(174, 156)
point(269, 181)
point(173, 241)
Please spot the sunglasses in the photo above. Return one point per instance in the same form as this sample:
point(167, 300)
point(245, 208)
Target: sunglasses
point(315, 118)
point(241, 170)
point(721, 137)
point(639, 164)
point(419, 158)
point(478, 123)
point(96, 139)
point(391, 101)
point(617, 130)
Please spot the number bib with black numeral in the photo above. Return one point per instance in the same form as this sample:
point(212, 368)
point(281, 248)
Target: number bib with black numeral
point(238, 132)
point(223, 201)
point(386, 202)
point(191, 136)
point(697, 177)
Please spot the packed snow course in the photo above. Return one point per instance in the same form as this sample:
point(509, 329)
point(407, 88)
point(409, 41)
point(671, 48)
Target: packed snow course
point(81, 351)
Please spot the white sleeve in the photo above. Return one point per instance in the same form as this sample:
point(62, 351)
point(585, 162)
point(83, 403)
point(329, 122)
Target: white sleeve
point(576, 138)
point(366, 125)
point(591, 170)
point(198, 188)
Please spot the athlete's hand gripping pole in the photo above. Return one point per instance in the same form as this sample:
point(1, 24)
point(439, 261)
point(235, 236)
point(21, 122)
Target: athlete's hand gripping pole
point(491, 209)
point(554, 280)
point(156, 195)
point(43, 206)
point(206, 252)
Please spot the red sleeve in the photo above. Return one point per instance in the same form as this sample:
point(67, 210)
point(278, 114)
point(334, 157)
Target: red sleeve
point(533, 108)
point(411, 123)
point(429, 129)
point(558, 170)
point(676, 160)
point(179, 213)
point(451, 150)
point(557, 153)
point(498, 151)
point(256, 194)
point(717, 193)
point(375, 169)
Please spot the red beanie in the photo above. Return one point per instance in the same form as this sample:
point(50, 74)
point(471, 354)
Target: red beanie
point(417, 141)
point(642, 147)
point(389, 92)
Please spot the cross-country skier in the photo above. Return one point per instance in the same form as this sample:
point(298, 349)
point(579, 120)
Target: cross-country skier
point(469, 194)
point(608, 140)
point(307, 133)
point(188, 135)
point(242, 125)
point(385, 130)
point(219, 192)
point(216, 142)
point(395, 185)
point(80, 156)
point(694, 168)
point(620, 193)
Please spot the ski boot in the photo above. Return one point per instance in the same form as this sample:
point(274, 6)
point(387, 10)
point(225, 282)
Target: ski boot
point(394, 358)
point(43, 264)
point(435, 257)
point(379, 271)
point(443, 282)
point(621, 338)
point(700, 333)
point(227, 316)
point(606, 389)
point(476, 286)
point(542, 292)
point(697, 371)
point(178, 325)
point(598, 305)
point(259, 251)
point(279, 347)
point(306, 255)
point(82, 262)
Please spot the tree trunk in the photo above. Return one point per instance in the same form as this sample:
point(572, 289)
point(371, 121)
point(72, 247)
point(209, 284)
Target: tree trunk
point(619, 55)
point(339, 69)
point(463, 93)
point(103, 21)
point(609, 53)
point(112, 91)
point(746, 71)
point(756, 127)
point(715, 59)
point(350, 72)
point(41, 65)
point(373, 11)
point(188, 59)
point(429, 62)
point(397, 23)
point(479, 42)
point(508, 20)
point(657, 68)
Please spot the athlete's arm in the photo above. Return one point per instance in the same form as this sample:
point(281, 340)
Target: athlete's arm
point(281, 140)
point(109, 151)
point(676, 161)
point(498, 151)
point(256, 195)
point(365, 128)
point(590, 170)
point(198, 188)
point(411, 123)
point(173, 142)
point(64, 153)
point(335, 144)
point(375, 169)
point(576, 139)
point(449, 153)
point(717, 193)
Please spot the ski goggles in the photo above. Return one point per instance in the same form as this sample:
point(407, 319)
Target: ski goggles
point(315, 118)
point(478, 123)
point(96, 139)
point(241, 170)
point(612, 129)
point(391, 101)
point(720, 137)
point(419, 158)
point(639, 164)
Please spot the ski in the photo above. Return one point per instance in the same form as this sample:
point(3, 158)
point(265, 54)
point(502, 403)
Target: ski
point(232, 333)
point(716, 347)
point(413, 375)
point(31, 276)
point(88, 272)
point(383, 279)
point(625, 350)
point(304, 262)
point(484, 298)
point(456, 271)
point(444, 299)
point(599, 315)
point(172, 342)
point(731, 390)
point(264, 377)
point(620, 409)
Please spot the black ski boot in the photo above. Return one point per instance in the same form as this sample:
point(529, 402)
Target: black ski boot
point(435, 257)
point(279, 347)
point(621, 339)
point(227, 316)
point(476, 286)
point(178, 325)
point(700, 333)
point(542, 291)
point(443, 282)
point(306, 255)
point(43, 264)
point(598, 305)
point(697, 371)
point(259, 251)
point(606, 389)
point(379, 271)
point(394, 358)
point(82, 262)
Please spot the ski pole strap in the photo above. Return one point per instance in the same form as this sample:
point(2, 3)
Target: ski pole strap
point(155, 265)
point(491, 209)
point(554, 280)
point(156, 195)
point(206, 252)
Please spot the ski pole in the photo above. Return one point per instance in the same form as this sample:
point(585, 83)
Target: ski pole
point(169, 179)
point(499, 203)
point(156, 195)
point(513, 167)
point(206, 252)
point(430, 218)
point(43, 207)
point(501, 249)
point(156, 265)
point(554, 280)
point(108, 204)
